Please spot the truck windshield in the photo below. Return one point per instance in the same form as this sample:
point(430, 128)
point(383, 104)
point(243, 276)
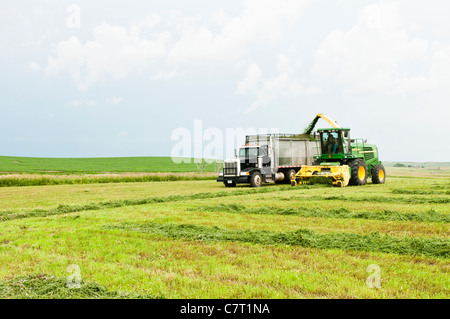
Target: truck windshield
point(248, 152)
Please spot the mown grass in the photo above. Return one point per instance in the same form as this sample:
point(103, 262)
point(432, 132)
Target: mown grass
point(374, 242)
point(426, 216)
point(37, 180)
point(198, 239)
point(134, 262)
point(381, 199)
point(42, 286)
point(64, 209)
point(420, 192)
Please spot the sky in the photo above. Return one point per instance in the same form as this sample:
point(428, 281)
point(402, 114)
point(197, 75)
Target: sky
point(118, 78)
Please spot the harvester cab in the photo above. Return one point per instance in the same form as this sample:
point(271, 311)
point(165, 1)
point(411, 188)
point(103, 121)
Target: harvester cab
point(334, 143)
point(344, 160)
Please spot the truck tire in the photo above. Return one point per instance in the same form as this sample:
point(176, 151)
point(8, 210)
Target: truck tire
point(378, 174)
point(256, 179)
point(232, 184)
point(288, 175)
point(358, 172)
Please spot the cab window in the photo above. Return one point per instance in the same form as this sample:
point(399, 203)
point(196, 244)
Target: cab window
point(331, 143)
point(248, 152)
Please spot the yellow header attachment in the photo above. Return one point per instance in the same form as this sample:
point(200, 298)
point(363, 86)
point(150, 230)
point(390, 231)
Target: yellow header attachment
point(340, 175)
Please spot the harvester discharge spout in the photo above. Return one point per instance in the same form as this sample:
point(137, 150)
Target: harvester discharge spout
point(311, 125)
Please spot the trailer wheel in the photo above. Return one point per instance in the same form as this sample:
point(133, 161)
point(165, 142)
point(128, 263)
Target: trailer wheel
point(256, 179)
point(358, 174)
point(232, 184)
point(288, 175)
point(378, 174)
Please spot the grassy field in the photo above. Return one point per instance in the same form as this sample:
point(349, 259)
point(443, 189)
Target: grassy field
point(148, 164)
point(28, 171)
point(198, 239)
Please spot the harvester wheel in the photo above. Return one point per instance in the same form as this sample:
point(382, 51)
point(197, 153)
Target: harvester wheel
point(378, 174)
point(256, 179)
point(288, 175)
point(358, 174)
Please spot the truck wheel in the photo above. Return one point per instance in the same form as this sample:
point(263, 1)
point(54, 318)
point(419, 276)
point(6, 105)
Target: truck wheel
point(378, 174)
point(256, 179)
point(288, 175)
point(358, 174)
point(232, 184)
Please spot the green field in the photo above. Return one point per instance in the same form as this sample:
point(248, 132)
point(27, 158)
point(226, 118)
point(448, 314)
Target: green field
point(198, 239)
point(27, 171)
point(96, 165)
point(433, 165)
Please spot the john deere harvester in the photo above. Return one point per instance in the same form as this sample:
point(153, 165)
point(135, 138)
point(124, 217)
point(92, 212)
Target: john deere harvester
point(345, 160)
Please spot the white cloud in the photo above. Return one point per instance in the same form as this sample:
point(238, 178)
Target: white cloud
point(250, 82)
point(122, 134)
point(369, 57)
point(80, 103)
point(219, 17)
point(313, 90)
point(117, 52)
point(285, 83)
point(76, 103)
point(114, 53)
point(440, 69)
point(260, 21)
point(164, 75)
point(269, 91)
point(35, 67)
point(114, 100)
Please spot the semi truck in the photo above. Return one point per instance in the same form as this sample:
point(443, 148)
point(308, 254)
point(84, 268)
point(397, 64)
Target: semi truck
point(269, 158)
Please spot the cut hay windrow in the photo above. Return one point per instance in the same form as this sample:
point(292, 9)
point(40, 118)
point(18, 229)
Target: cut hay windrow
point(65, 209)
point(431, 216)
point(43, 286)
point(376, 199)
point(373, 242)
point(402, 191)
point(39, 180)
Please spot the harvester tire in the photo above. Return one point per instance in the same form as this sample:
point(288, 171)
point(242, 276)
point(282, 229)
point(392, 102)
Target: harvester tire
point(378, 174)
point(256, 179)
point(358, 174)
point(288, 176)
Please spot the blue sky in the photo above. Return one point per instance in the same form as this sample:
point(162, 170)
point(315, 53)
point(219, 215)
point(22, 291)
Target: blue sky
point(80, 79)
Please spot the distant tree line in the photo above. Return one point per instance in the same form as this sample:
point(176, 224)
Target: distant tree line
point(404, 165)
